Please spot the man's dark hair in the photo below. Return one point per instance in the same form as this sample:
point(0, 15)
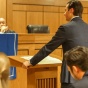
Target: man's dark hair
point(77, 6)
point(77, 56)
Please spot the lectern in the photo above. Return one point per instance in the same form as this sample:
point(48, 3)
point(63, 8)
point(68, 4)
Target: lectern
point(43, 75)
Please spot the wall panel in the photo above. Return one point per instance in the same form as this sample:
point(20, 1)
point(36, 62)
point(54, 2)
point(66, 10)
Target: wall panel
point(52, 20)
point(35, 18)
point(51, 9)
point(85, 15)
point(3, 8)
point(17, 7)
point(19, 21)
point(9, 14)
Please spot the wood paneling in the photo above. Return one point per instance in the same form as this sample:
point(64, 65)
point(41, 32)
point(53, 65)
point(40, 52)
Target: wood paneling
point(35, 18)
point(19, 83)
point(3, 8)
point(39, 2)
point(21, 13)
point(19, 22)
point(26, 49)
point(36, 8)
point(52, 20)
point(48, 2)
point(35, 77)
point(51, 9)
point(27, 7)
point(85, 18)
point(85, 3)
point(60, 2)
point(19, 7)
point(85, 10)
point(85, 15)
point(30, 44)
point(9, 15)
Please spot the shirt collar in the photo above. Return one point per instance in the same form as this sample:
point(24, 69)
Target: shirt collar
point(74, 17)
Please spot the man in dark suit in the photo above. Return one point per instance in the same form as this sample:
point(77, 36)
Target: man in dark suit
point(77, 63)
point(69, 35)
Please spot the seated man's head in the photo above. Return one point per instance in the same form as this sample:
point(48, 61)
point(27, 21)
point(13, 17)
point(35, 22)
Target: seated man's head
point(3, 26)
point(77, 61)
point(2, 22)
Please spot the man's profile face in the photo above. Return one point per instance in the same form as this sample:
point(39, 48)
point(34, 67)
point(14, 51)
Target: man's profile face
point(68, 13)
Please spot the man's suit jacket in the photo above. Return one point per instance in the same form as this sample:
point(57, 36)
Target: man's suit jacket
point(72, 34)
point(9, 31)
point(81, 83)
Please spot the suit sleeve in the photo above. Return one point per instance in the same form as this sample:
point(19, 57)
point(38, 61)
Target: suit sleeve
point(58, 39)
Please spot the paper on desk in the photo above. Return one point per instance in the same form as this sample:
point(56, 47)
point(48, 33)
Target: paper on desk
point(47, 60)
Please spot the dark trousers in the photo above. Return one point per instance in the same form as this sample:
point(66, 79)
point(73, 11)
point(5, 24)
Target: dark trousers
point(65, 85)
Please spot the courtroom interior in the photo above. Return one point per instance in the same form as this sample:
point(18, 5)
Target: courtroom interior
point(21, 16)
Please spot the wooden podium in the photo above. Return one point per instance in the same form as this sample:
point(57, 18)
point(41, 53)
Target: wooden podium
point(39, 76)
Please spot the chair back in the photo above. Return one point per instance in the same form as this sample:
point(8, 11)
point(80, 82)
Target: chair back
point(38, 29)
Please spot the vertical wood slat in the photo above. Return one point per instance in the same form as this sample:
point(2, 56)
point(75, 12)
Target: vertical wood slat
point(36, 83)
point(46, 83)
point(43, 83)
point(39, 83)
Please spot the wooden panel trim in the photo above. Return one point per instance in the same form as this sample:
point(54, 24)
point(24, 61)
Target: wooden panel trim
point(47, 2)
point(51, 9)
point(27, 7)
point(30, 48)
point(38, 2)
point(26, 38)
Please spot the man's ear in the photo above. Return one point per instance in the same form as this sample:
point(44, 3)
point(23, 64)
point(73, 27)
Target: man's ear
point(72, 10)
point(75, 68)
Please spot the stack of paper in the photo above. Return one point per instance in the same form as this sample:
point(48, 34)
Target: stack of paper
point(47, 60)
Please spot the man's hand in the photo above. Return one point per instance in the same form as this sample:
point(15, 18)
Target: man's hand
point(26, 64)
point(4, 28)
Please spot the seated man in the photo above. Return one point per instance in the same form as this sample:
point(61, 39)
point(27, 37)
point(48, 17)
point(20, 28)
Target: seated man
point(77, 63)
point(4, 71)
point(4, 28)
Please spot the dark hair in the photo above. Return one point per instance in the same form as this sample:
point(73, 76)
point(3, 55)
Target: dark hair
point(77, 56)
point(77, 6)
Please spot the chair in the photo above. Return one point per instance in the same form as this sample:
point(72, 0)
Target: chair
point(38, 29)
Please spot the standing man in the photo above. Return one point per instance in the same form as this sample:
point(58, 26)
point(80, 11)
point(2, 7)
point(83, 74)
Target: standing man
point(69, 35)
point(77, 63)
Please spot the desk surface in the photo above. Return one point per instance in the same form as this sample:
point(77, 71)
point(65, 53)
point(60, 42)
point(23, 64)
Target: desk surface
point(48, 62)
